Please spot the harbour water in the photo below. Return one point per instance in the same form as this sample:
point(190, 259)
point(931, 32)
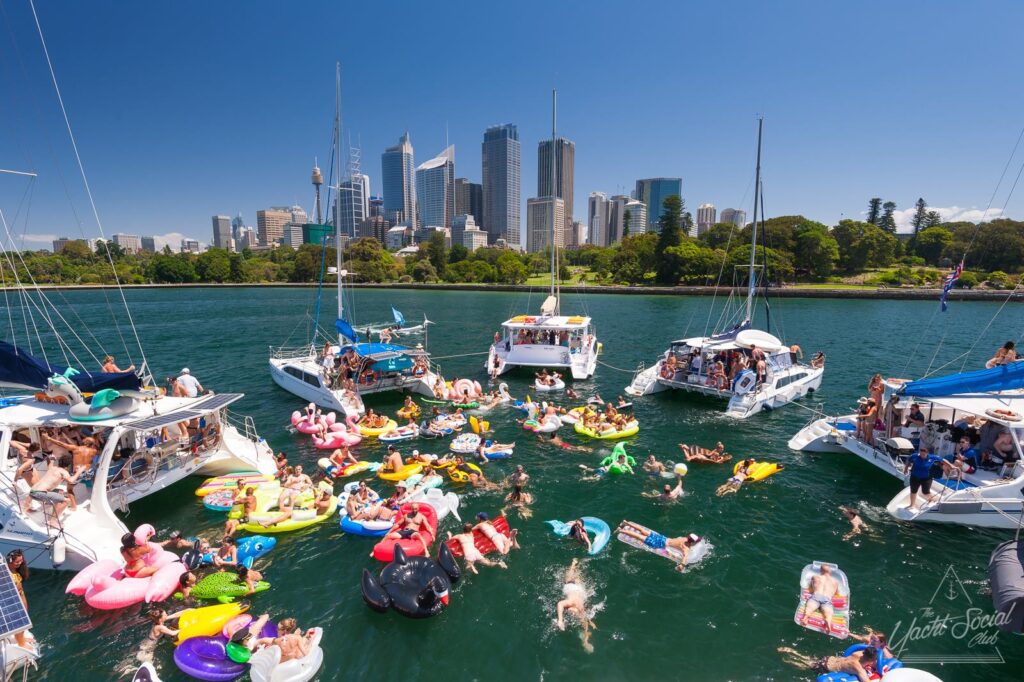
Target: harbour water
point(721, 621)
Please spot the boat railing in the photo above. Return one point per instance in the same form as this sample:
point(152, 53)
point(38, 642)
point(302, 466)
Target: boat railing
point(244, 424)
point(292, 352)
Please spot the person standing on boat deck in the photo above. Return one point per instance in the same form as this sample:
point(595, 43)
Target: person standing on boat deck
point(876, 387)
point(920, 469)
point(867, 414)
point(190, 384)
point(19, 573)
point(110, 366)
point(795, 353)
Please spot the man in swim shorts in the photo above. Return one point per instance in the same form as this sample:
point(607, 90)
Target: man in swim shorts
point(653, 467)
point(469, 551)
point(695, 453)
point(393, 462)
point(501, 543)
point(856, 664)
point(681, 545)
point(410, 526)
point(823, 588)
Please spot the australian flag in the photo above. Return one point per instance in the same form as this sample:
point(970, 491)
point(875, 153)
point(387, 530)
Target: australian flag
point(948, 283)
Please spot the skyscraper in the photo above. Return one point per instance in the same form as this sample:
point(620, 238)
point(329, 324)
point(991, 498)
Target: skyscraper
point(705, 218)
point(270, 224)
point(538, 223)
point(237, 223)
point(565, 162)
point(734, 216)
point(398, 179)
point(502, 173)
point(222, 232)
point(469, 199)
point(653, 192)
point(637, 216)
point(617, 217)
point(435, 190)
point(353, 204)
point(131, 243)
point(597, 219)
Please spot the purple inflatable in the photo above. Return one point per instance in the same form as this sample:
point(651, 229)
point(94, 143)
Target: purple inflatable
point(206, 658)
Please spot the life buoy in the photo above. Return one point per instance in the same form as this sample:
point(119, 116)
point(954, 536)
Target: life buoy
point(1005, 415)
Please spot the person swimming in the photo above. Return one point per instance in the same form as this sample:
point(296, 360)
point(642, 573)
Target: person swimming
point(470, 553)
point(575, 603)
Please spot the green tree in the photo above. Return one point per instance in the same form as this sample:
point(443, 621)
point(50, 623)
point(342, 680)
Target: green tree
point(931, 219)
point(424, 271)
point(931, 242)
point(213, 265)
point(627, 216)
point(920, 212)
point(888, 222)
point(457, 253)
point(780, 265)
point(510, 270)
point(305, 268)
point(77, 251)
point(817, 251)
point(719, 236)
point(671, 234)
point(370, 261)
point(697, 262)
point(176, 269)
point(863, 245)
point(437, 253)
point(874, 210)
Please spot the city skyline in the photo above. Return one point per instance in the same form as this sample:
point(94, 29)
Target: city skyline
point(161, 161)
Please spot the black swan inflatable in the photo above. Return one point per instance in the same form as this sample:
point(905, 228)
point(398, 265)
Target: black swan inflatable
point(416, 587)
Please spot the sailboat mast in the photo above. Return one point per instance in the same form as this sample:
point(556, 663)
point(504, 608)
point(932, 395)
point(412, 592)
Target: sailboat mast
point(554, 193)
point(337, 193)
point(752, 281)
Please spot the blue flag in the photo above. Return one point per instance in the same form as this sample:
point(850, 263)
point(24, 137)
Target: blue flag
point(346, 330)
point(948, 283)
point(399, 320)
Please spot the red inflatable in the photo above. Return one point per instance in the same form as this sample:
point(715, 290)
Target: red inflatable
point(385, 549)
point(482, 542)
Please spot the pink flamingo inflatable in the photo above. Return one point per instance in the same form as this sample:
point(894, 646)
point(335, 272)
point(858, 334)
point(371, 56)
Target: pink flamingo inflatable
point(311, 422)
point(339, 434)
point(105, 586)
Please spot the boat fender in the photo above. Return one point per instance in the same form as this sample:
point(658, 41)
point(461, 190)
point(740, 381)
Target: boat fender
point(59, 551)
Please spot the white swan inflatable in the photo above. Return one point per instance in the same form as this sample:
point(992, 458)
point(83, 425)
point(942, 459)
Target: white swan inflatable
point(266, 666)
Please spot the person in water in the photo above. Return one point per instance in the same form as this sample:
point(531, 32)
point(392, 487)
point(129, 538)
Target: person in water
point(393, 461)
point(519, 500)
point(876, 639)
point(251, 577)
point(653, 467)
point(857, 664)
point(470, 553)
point(736, 480)
point(857, 525)
point(574, 603)
point(227, 554)
point(186, 581)
point(578, 532)
point(695, 453)
point(292, 645)
point(823, 588)
point(502, 543)
point(132, 552)
point(668, 492)
point(554, 439)
point(159, 629)
point(681, 545)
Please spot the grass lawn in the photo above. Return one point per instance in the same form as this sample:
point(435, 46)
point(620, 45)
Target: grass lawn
point(544, 278)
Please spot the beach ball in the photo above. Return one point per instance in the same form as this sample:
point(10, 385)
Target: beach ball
point(680, 469)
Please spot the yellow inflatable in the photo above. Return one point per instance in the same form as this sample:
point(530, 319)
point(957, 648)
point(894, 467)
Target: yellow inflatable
point(460, 476)
point(631, 429)
point(230, 481)
point(479, 425)
point(759, 470)
point(266, 498)
point(369, 432)
point(301, 518)
point(411, 412)
point(402, 474)
point(208, 620)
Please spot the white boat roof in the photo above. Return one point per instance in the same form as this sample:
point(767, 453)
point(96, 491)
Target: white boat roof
point(36, 413)
point(980, 404)
point(569, 322)
point(745, 339)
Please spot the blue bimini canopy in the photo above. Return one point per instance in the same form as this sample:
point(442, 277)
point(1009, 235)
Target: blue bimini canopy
point(1001, 378)
point(18, 369)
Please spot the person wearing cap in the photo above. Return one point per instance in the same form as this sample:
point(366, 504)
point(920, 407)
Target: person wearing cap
point(682, 545)
point(393, 460)
point(189, 384)
point(501, 543)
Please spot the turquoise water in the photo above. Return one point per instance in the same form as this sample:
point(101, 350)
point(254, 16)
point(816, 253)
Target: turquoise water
point(721, 621)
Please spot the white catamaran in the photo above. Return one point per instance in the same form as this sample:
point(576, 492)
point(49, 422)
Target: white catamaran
point(337, 376)
point(548, 339)
point(936, 413)
point(725, 365)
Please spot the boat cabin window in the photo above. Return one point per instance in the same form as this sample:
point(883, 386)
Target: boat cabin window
point(787, 380)
point(310, 379)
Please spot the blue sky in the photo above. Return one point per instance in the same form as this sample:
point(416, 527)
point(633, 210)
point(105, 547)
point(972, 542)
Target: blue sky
point(186, 109)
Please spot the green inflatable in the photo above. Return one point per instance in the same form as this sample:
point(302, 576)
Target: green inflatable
point(224, 584)
point(616, 467)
